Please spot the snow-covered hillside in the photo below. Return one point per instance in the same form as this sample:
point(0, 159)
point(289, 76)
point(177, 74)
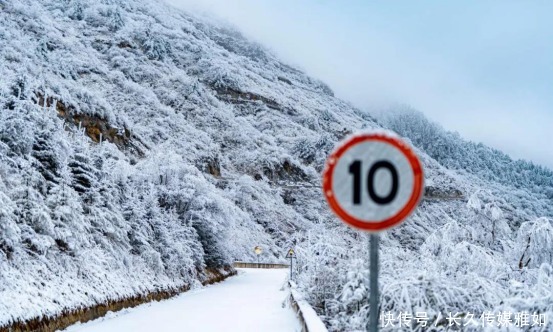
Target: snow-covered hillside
point(141, 146)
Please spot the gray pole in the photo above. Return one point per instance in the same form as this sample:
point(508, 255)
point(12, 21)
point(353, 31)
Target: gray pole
point(291, 262)
point(373, 302)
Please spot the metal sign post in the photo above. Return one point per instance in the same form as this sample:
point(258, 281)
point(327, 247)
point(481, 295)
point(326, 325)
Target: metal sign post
point(257, 250)
point(373, 182)
point(373, 283)
point(291, 255)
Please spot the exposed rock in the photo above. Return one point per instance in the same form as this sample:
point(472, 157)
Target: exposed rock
point(95, 127)
point(286, 171)
point(239, 97)
point(432, 192)
point(285, 80)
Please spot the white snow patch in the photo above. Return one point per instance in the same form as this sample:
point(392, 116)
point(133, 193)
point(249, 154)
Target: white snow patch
point(252, 301)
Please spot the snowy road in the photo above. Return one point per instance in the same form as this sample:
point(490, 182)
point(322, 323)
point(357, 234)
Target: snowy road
point(249, 302)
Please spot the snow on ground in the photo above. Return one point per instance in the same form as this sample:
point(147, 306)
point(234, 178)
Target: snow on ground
point(252, 301)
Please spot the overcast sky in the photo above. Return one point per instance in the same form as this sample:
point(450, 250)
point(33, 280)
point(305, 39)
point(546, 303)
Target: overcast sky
point(482, 68)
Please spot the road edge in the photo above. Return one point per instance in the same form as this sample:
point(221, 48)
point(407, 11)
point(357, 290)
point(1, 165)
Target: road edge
point(83, 315)
point(310, 321)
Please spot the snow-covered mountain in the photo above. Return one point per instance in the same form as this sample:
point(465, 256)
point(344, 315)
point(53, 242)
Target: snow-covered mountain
point(142, 147)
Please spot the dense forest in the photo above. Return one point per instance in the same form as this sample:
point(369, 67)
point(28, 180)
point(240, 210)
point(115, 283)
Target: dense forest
point(450, 150)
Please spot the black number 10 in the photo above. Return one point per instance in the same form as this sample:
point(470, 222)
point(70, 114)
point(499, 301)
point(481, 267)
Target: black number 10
point(355, 170)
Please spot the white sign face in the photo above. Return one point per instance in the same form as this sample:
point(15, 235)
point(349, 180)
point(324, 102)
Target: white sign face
point(373, 181)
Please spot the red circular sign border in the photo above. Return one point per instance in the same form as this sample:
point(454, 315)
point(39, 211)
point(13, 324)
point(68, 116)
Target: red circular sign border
point(412, 203)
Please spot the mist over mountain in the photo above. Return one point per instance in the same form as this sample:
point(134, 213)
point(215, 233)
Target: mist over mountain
point(143, 148)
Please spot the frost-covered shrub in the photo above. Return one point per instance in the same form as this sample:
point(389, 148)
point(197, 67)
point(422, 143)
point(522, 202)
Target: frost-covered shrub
point(313, 149)
point(108, 16)
point(321, 259)
point(220, 75)
point(10, 232)
point(349, 310)
point(14, 130)
point(153, 43)
point(535, 243)
point(175, 91)
point(488, 220)
point(75, 9)
point(535, 300)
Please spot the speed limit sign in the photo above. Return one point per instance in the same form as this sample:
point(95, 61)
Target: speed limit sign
point(373, 181)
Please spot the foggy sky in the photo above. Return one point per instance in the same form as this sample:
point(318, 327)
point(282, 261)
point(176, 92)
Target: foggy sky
point(482, 68)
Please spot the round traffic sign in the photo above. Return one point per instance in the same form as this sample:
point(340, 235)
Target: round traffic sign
point(373, 181)
point(257, 250)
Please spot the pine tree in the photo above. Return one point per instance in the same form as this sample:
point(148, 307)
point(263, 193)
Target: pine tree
point(84, 178)
point(66, 213)
point(10, 232)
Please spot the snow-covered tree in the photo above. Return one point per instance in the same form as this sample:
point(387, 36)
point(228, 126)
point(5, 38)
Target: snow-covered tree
point(535, 243)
